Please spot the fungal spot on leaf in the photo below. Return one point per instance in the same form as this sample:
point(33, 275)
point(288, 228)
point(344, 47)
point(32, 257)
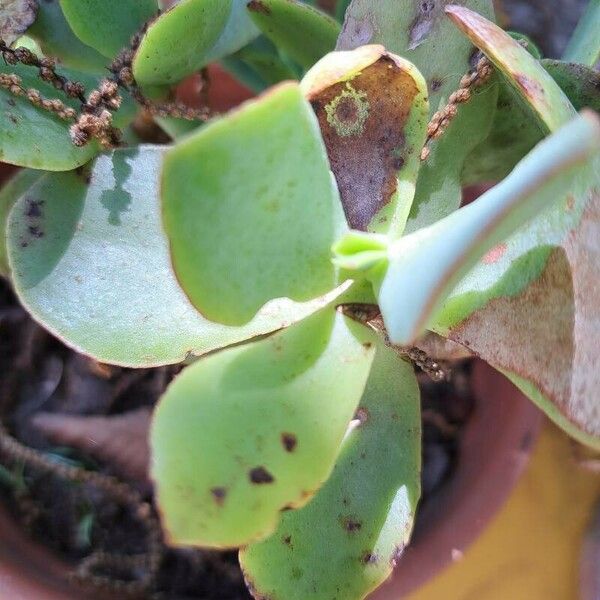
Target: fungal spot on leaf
point(289, 441)
point(260, 476)
point(363, 125)
point(33, 208)
point(369, 559)
point(361, 415)
point(287, 540)
point(429, 12)
point(258, 6)
point(219, 494)
point(348, 112)
point(351, 525)
point(531, 88)
point(435, 85)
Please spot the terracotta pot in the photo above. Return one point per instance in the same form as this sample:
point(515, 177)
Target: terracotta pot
point(494, 449)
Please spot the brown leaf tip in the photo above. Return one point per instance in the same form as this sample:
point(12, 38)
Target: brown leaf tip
point(289, 441)
point(219, 494)
point(260, 476)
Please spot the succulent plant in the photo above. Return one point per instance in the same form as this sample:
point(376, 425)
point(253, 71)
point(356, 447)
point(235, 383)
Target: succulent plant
point(292, 252)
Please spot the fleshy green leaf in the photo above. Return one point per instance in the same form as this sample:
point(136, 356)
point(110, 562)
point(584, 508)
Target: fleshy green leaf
point(514, 133)
point(373, 112)
point(346, 541)
point(33, 137)
point(180, 41)
point(420, 32)
point(90, 261)
point(251, 210)
point(243, 434)
point(56, 38)
point(15, 18)
point(108, 25)
point(584, 46)
point(303, 32)
point(10, 192)
point(426, 265)
point(239, 31)
point(520, 69)
point(259, 65)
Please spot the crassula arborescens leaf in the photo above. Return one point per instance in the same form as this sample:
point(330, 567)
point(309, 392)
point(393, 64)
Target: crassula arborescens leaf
point(345, 542)
point(179, 42)
point(302, 31)
point(420, 32)
point(90, 261)
point(56, 38)
point(520, 69)
point(107, 25)
point(251, 208)
point(243, 434)
point(373, 111)
point(10, 192)
point(431, 261)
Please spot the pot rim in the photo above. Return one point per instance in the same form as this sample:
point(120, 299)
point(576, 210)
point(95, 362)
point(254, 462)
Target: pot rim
point(494, 449)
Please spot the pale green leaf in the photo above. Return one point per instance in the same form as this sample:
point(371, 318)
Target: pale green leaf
point(305, 33)
point(90, 261)
point(426, 265)
point(584, 45)
point(345, 543)
point(251, 210)
point(243, 434)
point(179, 42)
point(108, 25)
point(10, 192)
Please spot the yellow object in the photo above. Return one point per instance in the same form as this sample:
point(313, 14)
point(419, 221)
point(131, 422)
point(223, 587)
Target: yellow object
point(531, 549)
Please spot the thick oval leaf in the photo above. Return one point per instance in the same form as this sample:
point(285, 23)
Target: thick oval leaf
point(239, 31)
point(15, 18)
point(10, 192)
point(108, 25)
point(514, 133)
point(584, 45)
point(243, 434)
point(56, 38)
point(90, 261)
point(21, 123)
point(179, 42)
point(251, 210)
point(345, 542)
point(420, 32)
point(303, 32)
point(522, 71)
point(373, 111)
point(426, 265)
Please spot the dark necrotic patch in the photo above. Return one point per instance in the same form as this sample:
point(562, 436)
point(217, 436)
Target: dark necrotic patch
point(289, 441)
point(260, 476)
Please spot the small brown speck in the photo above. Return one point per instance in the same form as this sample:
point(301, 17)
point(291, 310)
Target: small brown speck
point(258, 6)
point(260, 476)
point(368, 558)
point(351, 525)
point(289, 441)
point(219, 494)
point(287, 540)
point(362, 415)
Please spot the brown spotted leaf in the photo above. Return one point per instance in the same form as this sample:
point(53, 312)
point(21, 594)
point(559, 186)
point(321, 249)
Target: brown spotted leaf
point(15, 17)
point(121, 441)
point(372, 109)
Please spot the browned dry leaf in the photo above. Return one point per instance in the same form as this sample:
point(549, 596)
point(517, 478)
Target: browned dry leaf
point(121, 441)
point(363, 120)
point(15, 17)
point(558, 350)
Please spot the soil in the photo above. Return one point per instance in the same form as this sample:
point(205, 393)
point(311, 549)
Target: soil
point(82, 523)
